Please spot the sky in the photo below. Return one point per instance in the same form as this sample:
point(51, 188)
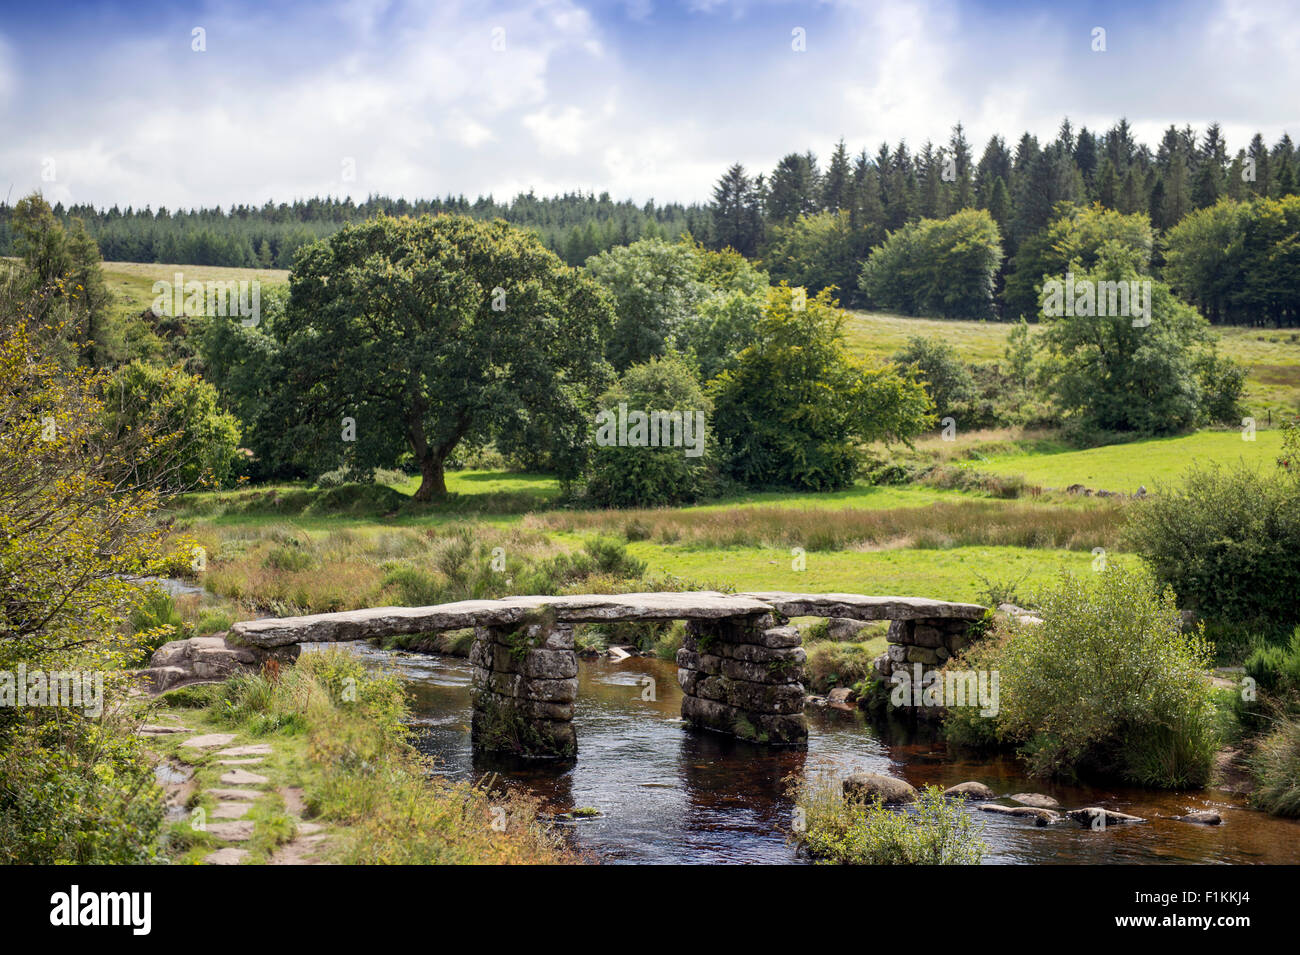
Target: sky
point(185, 105)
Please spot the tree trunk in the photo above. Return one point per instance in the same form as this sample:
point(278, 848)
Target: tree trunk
point(433, 483)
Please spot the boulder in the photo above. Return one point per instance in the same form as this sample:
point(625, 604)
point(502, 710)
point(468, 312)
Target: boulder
point(863, 787)
point(971, 790)
point(1095, 817)
point(841, 694)
point(1041, 817)
point(1204, 817)
point(1035, 799)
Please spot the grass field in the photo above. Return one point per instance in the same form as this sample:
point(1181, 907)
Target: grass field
point(1125, 467)
point(1271, 357)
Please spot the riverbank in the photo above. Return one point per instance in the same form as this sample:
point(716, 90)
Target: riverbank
point(312, 764)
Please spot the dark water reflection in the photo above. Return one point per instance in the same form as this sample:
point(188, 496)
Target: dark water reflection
point(667, 793)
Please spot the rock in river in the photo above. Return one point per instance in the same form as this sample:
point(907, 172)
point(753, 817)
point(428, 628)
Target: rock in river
point(971, 790)
point(868, 786)
point(1095, 817)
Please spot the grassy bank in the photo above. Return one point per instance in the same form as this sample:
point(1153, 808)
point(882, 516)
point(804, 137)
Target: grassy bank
point(339, 752)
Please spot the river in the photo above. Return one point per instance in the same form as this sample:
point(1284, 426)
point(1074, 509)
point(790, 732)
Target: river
point(669, 794)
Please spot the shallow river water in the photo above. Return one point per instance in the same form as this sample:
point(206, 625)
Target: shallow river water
point(667, 793)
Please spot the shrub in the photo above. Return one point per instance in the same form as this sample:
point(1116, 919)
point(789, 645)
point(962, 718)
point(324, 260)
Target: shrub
point(1228, 542)
point(1275, 764)
point(933, 830)
point(831, 664)
point(947, 379)
point(796, 408)
point(1110, 684)
point(653, 476)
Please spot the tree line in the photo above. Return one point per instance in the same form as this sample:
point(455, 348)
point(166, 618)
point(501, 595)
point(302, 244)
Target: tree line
point(575, 226)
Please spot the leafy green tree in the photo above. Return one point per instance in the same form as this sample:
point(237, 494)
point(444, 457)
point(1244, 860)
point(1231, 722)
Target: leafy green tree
point(207, 438)
point(681, 296)
point(64, 265)
point(796, 408)
point(1072, 241)
point(817, 252)
point(245, 363)
point(80, 527)
point(943, 267)
point(655, 286)
point(946, 377)
point(666, 474)
point(1126, 371)
point(413, 335)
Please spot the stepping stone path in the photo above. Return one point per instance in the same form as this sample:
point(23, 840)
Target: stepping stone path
point(157, 729)
point(230, 810)
point(227, 856)
point(209, 740)
point(257, 749)
point(233, 793)
point(231, 831)
point(242, 777)
point(239, 762)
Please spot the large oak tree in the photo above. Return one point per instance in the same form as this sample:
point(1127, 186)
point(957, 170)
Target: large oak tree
point(435, 331)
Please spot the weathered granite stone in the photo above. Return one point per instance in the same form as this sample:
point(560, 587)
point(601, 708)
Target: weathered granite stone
point(1096, 817)
point(971, 790)
point(1041, 817)
point(770, 729)
point(1204, 817)
point(863, 787)
point(1035, 799)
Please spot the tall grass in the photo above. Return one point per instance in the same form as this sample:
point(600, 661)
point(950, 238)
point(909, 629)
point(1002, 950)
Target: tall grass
point(940, 525)
point(361, 772)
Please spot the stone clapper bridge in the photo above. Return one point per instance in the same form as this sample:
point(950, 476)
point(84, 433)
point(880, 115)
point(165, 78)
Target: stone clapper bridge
point(740, 666)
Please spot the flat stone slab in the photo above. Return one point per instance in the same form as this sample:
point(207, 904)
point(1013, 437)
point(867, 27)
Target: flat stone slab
point(257, 749)
point(227, 856)
point(239, 762)
point(862, 607)
point(242, 777)
point(581, 608)
point(231, 831)
point(230, 810)
point(234, 793)
point(156, 729)
point(209, 741)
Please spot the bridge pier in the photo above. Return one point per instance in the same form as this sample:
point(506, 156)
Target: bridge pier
point(744, 676)
point(524, 685)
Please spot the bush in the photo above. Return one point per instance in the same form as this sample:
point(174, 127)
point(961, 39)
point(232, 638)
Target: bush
point(1277, 669)
point(934, 830)
point(1110, 684)
point(654, 475)
point(796, 408)
point(75, 791)
point(1275, 764)
point(1228, 542)
point(947, 379)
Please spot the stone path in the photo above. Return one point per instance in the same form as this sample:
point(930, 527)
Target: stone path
point(240, 788)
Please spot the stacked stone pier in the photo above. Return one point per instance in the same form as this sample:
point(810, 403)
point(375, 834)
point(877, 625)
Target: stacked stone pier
point(741, 667)
point(744, 677)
